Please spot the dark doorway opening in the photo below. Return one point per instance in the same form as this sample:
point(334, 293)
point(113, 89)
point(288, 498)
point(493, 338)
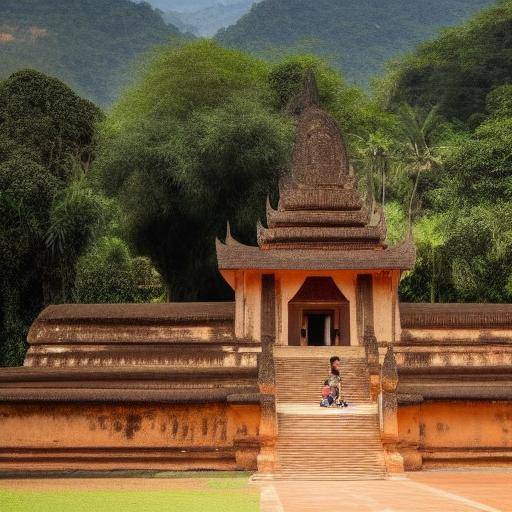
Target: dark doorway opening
point(316, 330)
point(319, 327)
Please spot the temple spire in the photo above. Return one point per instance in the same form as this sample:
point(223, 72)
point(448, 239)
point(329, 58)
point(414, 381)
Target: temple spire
point(319, 205)
point(309, 96)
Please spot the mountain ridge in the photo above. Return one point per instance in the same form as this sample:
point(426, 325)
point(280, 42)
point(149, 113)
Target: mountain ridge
point(357, 36)
point(88, 44)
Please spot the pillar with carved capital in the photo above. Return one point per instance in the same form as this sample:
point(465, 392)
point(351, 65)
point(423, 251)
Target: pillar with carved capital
point(389, 412)
point(372, 355)
point(268, 421)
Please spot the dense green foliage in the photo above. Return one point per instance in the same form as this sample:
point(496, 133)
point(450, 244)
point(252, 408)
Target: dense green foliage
point(187, 150)
point(108, 273)
point(46, 137)
point(356, 36)
point(462, 208)
point(458, 69)
point(88, 44)
point(50, 214)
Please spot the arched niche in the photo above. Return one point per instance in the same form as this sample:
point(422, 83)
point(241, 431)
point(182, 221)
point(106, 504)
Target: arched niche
point(319, 314)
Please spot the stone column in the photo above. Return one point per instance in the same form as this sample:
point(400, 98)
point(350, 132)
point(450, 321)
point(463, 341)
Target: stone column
point(389, 412)
point(268, 421)
point(372, 355)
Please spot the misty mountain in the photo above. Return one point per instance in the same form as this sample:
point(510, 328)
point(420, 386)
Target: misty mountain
point(208, 21)
point(189, 5)
point(358, 36)
point(88, 44)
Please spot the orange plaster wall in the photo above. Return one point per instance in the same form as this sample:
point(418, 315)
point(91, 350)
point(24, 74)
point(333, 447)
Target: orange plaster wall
point(385, 285)
point(247, 286)
point(465, 429)
point(125, 426)
point(470, 335)
point(252, 305)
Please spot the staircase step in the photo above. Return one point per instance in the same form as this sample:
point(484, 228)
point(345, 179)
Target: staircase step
point(325, 444)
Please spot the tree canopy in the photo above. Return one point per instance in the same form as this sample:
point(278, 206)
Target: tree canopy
point(201, 140)
point(458, 69)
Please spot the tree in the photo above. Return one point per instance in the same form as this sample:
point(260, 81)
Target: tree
point(457, 69)
point(198, 142)
point(420, 154)
point(373, 153)
point(430, 236)
point(44, 116)
point(46, 140)
point(108, 273)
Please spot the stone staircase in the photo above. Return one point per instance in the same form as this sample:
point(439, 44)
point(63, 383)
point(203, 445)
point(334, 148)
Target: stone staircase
point(317, 443)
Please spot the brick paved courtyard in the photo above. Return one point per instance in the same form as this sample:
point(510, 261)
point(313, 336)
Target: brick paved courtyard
point(439, 491)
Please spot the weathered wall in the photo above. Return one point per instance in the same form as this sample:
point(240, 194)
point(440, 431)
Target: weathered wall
point(158, 436)
point(455, 433)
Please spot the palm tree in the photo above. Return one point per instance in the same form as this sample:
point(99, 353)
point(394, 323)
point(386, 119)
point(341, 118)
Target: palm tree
point(373, 153)
point(420, 154)
point(429, 233)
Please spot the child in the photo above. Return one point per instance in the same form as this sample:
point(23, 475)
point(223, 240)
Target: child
point(331, 392)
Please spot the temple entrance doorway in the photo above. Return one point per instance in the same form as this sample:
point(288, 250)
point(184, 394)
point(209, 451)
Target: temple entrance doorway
point(318, 315)
point(319, 327)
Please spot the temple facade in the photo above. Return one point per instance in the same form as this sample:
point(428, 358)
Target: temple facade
point(236, 385)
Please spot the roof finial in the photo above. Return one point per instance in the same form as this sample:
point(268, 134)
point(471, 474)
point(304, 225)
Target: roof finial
point(308, 96)
point(229, 236)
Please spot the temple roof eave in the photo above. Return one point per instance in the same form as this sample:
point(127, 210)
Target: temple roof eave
point(243, 257)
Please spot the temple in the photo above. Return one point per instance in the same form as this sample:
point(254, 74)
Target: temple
point(236, 385)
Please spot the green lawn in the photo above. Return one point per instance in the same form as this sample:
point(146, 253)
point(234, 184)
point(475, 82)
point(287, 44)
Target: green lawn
point(211, 495)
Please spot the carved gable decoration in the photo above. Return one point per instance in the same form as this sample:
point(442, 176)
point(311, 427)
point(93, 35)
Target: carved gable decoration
point(319, 156)
point(319, 289)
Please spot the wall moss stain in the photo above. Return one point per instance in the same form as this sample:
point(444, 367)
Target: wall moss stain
point(133, 425)
point(441, 427)
point(175, 428)
point(241, 431)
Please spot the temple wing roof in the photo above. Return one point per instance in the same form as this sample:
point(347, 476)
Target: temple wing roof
point(134, 313)
point(456, 316)
point(235, 256)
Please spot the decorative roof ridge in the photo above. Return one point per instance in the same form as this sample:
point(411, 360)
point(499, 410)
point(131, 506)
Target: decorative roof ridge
point(407, 244)
point(260, 232)
point(229, 240)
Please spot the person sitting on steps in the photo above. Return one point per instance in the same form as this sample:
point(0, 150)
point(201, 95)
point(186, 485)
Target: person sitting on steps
point(331, 392)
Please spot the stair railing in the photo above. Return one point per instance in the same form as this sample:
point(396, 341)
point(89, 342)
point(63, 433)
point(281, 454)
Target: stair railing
point(268, 418)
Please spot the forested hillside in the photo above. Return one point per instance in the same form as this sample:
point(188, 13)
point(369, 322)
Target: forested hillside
point(89, 44)
point(357, 36)
point(458, 69)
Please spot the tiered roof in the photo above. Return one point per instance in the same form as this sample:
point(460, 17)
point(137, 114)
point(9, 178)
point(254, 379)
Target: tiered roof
point(322, 221)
